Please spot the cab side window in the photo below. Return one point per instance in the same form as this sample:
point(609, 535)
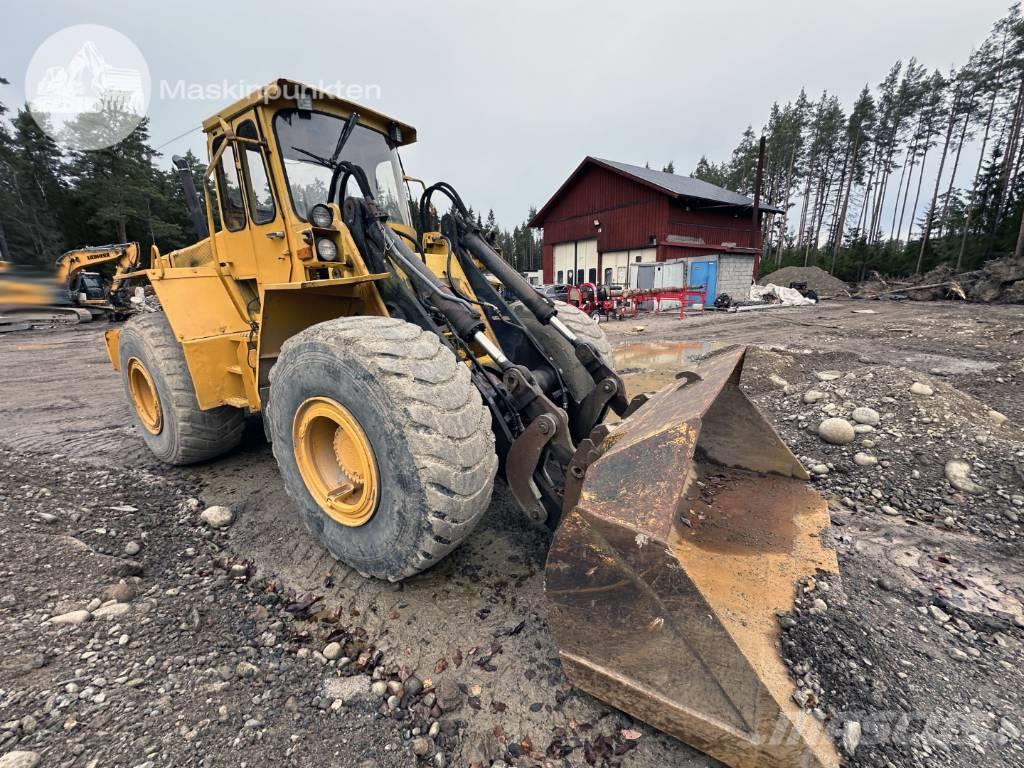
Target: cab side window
point(232, 205)
point(260, 192)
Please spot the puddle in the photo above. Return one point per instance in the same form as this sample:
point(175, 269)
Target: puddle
point(646, 366)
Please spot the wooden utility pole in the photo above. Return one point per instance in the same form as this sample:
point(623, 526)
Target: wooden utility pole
point(756, 216)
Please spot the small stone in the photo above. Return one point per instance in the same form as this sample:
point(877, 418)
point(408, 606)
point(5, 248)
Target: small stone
point(395, 687)
point(919, 388)
point(958, 473)
point(828, 375)
point(819, 469)
point(332, 651)
point(435, 728)
point(890, 510)
point(413, 685)
point(217, 517)
point(20, 759)
point(818, 606)
point(1007, 727)
point(996, 418)
point(132, 548)
point(72, 618)
point(862, 429)
point(813, 396)
point(421, 747)
point(867, 416)
point(864, 459)
point(8, 601)
point(938, 614)
point(112, 611)
point(122, 592)
point(957, 655)
point(836, 431)
point(393, 702)
point(449, 697)
point(379, 689)
point(851, 736)
point(981, 439)
point(245, 669)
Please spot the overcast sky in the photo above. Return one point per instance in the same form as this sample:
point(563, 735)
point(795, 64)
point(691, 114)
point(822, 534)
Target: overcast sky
point(508, 97)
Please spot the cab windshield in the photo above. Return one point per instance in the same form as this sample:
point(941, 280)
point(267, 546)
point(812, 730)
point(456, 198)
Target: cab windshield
point(302, 137)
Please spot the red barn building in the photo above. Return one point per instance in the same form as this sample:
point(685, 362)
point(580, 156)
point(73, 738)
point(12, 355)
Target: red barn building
point(610, 220)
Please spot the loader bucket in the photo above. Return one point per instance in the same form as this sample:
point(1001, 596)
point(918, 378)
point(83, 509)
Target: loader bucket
point(691, 530)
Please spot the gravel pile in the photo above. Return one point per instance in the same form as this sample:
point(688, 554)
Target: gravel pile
point(815, 277)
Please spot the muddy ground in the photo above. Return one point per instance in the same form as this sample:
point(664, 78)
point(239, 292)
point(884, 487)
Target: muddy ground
point(918, 648)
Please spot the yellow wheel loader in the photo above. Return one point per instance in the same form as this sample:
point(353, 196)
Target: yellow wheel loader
point(395, 382)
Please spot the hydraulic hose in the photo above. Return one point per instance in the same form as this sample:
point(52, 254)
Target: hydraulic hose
point(541, 307)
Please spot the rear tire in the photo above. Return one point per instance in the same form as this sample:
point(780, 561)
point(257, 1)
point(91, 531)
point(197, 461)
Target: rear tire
point(169, 418)
point(427, 431)
point(577, 378)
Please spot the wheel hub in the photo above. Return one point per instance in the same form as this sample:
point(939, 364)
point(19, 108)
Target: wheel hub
point(335, 460)
point(144, 397)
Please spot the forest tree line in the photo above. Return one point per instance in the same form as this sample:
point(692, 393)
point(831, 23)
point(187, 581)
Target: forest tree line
point(53, 199)
point(882, 185)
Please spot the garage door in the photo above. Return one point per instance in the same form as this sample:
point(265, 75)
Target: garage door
point(576, 262)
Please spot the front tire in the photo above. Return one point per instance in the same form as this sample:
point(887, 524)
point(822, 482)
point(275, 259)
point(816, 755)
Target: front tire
point(412, 440)
point(159, 387)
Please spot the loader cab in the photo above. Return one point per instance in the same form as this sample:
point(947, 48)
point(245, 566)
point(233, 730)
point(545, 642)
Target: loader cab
point(273, 157)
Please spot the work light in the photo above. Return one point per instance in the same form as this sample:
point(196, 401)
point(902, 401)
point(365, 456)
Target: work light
point(326, 250)
point(321, 215)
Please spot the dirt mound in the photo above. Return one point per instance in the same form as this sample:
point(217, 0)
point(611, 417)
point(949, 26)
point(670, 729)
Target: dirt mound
point(817, 279)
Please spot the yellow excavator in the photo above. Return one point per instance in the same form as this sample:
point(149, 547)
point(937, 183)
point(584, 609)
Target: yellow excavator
point(395, 382)
point(75, 292)
point(92, 290)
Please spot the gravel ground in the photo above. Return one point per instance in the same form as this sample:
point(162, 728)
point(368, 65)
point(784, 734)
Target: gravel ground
point(465, 646)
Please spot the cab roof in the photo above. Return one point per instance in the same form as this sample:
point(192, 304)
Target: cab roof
point(284, 90)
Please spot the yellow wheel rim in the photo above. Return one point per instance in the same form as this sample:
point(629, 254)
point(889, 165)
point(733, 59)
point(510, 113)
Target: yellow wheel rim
point(335, 460)
point(144, 396)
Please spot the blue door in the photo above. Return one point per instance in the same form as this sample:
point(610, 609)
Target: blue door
point(705, 275)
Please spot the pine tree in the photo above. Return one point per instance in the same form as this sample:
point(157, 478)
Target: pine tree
point(33, 171)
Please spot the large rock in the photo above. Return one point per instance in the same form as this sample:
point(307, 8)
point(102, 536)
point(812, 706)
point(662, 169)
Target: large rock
point(813, 396)
point(72, 618)
point(867, 416)
point(958, 473)
point(218, 517)
point(836, 431)
point(20, 759)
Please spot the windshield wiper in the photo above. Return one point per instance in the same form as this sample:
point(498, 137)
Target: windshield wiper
point(320, 160)
point(343, 137)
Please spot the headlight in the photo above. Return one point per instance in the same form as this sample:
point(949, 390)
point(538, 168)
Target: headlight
point(326, 250)
point(321, 216)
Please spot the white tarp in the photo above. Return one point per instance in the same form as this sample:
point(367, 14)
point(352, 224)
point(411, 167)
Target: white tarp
point(788, 297)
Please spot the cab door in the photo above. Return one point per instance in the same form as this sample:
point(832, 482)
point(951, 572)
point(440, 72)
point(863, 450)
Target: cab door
point(267, 231)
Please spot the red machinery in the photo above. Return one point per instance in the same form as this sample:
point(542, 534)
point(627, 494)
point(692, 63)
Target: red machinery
point(687, 297)
point(596, 300)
